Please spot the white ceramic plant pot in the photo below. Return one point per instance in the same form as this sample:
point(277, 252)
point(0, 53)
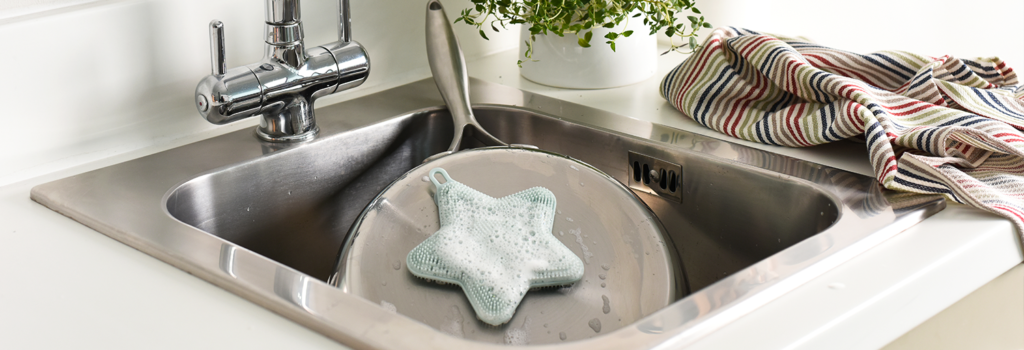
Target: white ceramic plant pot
point(561, 62)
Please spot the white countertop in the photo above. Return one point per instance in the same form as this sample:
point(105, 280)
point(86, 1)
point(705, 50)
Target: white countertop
point(67, 286)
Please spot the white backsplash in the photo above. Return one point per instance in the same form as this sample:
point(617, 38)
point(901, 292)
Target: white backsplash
point(964, 29)
point(17, 8)
point(87, 81)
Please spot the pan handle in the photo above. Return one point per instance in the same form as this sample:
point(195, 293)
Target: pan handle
point(449, 68)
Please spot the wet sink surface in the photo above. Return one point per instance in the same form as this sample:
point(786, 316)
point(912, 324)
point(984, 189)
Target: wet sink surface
point(267, 221)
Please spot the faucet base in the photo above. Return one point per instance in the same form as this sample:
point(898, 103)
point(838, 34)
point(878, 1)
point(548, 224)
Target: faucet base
point(303, 137)
point(282, 87)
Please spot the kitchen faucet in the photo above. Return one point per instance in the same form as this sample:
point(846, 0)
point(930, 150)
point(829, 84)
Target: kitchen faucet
point(282, 86)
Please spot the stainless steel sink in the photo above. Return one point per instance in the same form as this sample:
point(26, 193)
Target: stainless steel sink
point(266, 221)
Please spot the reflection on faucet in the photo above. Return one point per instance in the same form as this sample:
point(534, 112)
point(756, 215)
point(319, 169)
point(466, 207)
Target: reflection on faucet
point(282, 86)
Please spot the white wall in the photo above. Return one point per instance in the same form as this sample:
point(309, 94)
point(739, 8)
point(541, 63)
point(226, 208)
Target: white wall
point(16, 8)
point(90, 78)
point(87, 81)
point(965, 29)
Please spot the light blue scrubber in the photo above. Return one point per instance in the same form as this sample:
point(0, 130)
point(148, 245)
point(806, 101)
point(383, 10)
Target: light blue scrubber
point(496, 249)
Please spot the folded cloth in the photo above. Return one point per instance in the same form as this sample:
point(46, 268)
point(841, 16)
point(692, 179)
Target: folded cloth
point(932, 124)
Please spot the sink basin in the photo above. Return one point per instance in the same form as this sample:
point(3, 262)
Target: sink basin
point(266, 221)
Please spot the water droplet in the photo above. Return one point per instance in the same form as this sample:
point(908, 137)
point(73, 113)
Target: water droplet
point(397, 265)
point(605, 267)
point(595, 324)
point(606, 309)
point(602, 276)
point(561, 335)
point(603, 285)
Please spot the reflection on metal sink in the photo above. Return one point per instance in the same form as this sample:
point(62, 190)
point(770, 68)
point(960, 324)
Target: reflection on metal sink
point(266, 221)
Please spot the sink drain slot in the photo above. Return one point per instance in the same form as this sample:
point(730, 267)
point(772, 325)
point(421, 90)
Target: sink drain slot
point(655, 176)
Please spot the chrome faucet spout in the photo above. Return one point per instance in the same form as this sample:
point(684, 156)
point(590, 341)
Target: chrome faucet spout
point(282, 87)
point(344, 22)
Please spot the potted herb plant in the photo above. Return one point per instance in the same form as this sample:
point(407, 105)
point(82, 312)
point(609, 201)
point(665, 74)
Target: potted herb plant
point(559, 36)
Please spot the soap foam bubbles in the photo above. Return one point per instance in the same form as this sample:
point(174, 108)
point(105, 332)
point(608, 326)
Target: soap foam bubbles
point(480, 234)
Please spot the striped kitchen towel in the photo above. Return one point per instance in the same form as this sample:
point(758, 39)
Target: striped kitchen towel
point(932, 124)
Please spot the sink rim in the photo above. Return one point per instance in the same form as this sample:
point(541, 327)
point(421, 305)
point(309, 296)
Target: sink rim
point(328, 310)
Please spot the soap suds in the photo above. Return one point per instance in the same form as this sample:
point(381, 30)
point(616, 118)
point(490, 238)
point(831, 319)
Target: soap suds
point(388, 306)
point(579, 239)
point(453, 323)
point(496, 248)
point(517, 336)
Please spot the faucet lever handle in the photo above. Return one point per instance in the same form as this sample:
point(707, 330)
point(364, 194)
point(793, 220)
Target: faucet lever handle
point(217, 47)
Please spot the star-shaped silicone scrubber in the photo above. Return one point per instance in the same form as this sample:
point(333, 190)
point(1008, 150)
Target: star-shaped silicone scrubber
point(496, 249)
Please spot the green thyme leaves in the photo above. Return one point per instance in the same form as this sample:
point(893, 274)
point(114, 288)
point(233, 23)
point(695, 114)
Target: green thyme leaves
point(579, 17)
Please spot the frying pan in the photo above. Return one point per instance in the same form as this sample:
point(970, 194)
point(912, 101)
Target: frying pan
point(631, 269)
